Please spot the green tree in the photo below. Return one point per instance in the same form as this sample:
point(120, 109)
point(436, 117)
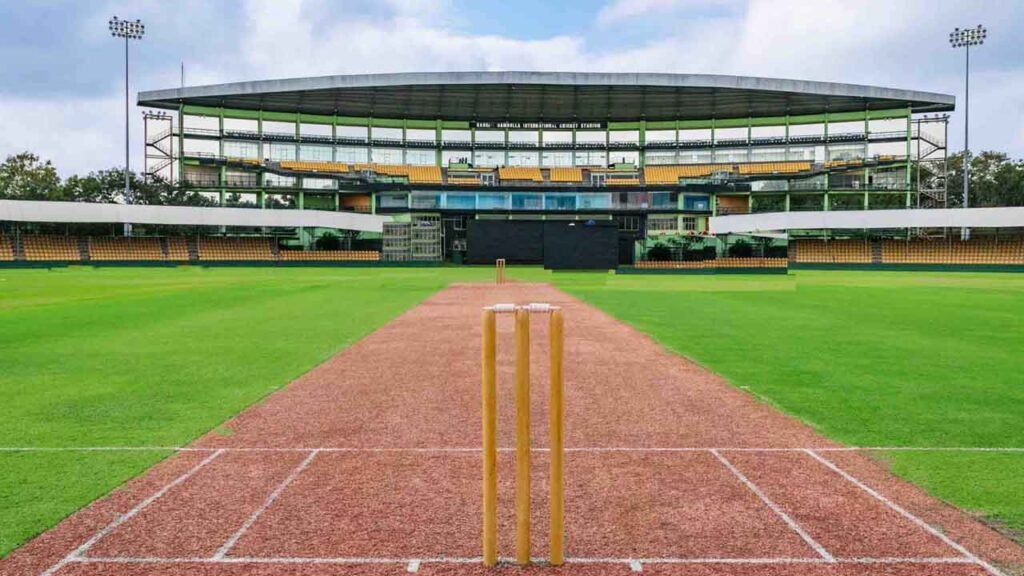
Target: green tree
point(996, 180)
point(25, 177)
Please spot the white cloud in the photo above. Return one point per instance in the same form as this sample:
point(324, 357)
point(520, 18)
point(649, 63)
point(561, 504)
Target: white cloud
point(879, 42)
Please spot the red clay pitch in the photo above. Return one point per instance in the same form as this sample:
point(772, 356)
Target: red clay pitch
point(370, 464)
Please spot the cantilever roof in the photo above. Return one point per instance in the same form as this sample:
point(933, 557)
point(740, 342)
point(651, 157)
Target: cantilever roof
point(547, 96)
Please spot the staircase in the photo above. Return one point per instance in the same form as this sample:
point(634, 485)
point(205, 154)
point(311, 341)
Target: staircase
point(165, 249)
point(876, 251)
point(193, 249)
point(18, 247)
point(83, 249)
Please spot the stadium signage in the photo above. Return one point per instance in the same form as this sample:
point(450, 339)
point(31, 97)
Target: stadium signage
point(538, 125)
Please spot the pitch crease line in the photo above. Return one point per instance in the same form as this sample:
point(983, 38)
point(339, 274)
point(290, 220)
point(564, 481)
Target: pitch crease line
point(903, 512)
point(775, 508)
point(85, 546)
point(473, 450)
point(226, 547)
point(472, 560)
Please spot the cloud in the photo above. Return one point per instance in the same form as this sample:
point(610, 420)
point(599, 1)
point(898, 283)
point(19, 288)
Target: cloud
point(879, 42)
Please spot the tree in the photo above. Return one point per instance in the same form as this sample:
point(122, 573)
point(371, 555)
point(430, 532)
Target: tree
point(25, 177)
point(996, 180)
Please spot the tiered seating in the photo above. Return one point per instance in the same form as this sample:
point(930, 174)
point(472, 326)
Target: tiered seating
point(521, 173)
point(251, 249)
point(465, 180)
point(331, 255)
point(6, 249)
point(51, 248)
point(125, 249)
point(177, 249)
point(331, 167)
point(832, 251)
point(565, 175)
point(672, 174)
point(710, 264)
point(622, 182)
point(953, 251)
point(774, 168)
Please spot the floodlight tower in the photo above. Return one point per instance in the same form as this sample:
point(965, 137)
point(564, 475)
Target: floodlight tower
point(966, 38)
point(129, 31)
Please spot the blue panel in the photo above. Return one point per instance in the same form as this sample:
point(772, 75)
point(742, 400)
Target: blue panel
point(697, 203)
point(462, 201)
point(492, 201)
point(527, 201)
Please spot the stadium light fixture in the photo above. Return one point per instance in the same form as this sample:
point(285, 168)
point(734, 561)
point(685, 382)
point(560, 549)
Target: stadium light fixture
point(129, 30)
point(965, 38)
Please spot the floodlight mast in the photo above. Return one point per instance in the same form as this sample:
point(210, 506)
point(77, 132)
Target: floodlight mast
point(129, 30)
point(965, 38)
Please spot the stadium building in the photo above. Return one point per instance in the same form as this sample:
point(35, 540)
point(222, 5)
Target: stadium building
point(487, 163)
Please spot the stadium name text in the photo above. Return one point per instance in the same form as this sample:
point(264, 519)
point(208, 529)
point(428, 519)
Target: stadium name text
point(538, 125)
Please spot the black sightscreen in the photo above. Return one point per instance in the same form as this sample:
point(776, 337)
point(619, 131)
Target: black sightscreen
point(517, 241)
point(581, 245)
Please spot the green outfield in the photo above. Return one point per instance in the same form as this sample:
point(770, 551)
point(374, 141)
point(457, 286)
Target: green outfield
point(156, 357)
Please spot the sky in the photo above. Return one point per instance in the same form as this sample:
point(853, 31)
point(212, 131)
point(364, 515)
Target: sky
point(62, 82)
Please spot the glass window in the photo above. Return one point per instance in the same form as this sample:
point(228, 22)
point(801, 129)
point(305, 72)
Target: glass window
point(320, 130)
point(387, 155)
point(591, 137)
point(767, 132)
point(241, 125)
point(234, 149)
point(839, 128)
point(492, 201)
point(887, 125)
point(527, 201)
point(490, 136)
point(557, 201)
point(282, 128)
point(456, 157)
point(656, 136)
point(891, 149)
point(278, 181)
point(524, 136)
point(767, 154)
point(280, 151)
point(662, 223)
point(664, 200)
point(696, 203)
point(196, 147)
point(695, 135)
point(359, 132)
point(416, 157)
point(556, 158)
point(389, 134)
point(315, 153)
point(393, 200)
point(319, 183)
point(557, 137)
point(489, 158)
point(426, 200)
point(730, 155)
point(689, 223)
point(846, 152)
point(522, 158)
point(624, 157)
point(352, 155)
point(624, 136)
point(591, 158)
point(460, 201)
point(800, 153)
point(420, 135)
point(806, 131)
point(201, 123)
point(660, 157)
point(455, 136)
point(731, 134)
point(695, 156)
point(595, 201)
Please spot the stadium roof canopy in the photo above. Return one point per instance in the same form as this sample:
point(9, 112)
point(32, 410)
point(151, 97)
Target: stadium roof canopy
point(547, 96)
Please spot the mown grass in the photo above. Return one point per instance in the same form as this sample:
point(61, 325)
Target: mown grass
point(870, 359)
point(144, 357)
point(156, 357)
